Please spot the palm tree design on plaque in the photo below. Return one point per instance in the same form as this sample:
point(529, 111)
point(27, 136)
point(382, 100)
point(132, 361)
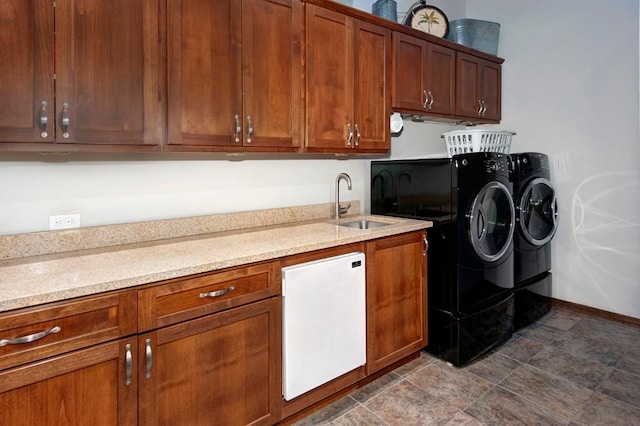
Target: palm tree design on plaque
point(429, 19)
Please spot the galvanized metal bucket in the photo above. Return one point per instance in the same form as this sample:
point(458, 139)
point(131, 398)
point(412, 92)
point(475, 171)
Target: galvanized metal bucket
point(475, 33)
point(387, 9)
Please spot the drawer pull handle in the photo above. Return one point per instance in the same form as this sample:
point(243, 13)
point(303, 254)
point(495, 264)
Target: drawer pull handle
point(217, 293)
point(44, 119)
point(128, 364)
point(149, 358)
point(30, 338)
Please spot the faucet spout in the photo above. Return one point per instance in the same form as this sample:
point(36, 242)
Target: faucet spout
point(341, 210)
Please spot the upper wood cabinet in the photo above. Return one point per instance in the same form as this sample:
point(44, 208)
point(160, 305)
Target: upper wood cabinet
point(234, 75)
point(348, 83)
point(423, 77)
point(478, 93)
point(98, 89)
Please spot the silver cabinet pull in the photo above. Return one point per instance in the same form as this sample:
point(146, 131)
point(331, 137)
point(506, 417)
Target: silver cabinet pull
point(428, 99)
point(238, 128)
point(426, 245)
point(479, 107)
point(350, 138)
point(249, 129)
point(43, 119)
point(358, 135)
point(30, 338)
point(217, 293)
point(148, 357)
point(128, 364)
point(64, 120)
point(484, 108)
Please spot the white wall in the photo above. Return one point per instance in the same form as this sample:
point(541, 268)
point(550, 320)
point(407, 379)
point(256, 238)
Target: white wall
point(568, 90)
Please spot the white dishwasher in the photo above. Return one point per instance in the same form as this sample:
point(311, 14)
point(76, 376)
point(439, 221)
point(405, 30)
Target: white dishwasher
point(324, 321)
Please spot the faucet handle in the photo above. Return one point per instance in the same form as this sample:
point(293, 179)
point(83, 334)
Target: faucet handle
point(344, 210)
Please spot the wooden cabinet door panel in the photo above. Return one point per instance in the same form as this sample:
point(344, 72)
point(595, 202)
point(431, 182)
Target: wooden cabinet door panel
point(396, 299)
point(204, 80)
point(107, 67)
point(409, 59)
point(372, 97)
point(87, 387)
point(440, 77)
point(26, 42)
point(272, 71)
point(468, 75)
point(491, 90)
point(220, 369)
point(329, 79)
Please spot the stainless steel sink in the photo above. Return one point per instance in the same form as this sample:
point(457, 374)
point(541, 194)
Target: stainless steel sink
point(363, 224)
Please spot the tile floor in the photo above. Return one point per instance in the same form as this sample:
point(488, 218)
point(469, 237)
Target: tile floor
point(567, 369)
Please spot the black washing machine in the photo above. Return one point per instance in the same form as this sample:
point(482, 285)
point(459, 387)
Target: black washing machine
point(536, 224)
point(470, 263)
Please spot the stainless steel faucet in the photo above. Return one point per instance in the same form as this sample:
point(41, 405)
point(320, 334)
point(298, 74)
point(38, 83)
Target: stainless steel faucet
point(341, 210)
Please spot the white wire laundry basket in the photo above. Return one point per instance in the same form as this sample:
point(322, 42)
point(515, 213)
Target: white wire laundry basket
point(477, 140)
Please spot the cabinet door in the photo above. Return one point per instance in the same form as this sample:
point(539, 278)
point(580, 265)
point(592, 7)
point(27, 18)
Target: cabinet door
point(272, 73)
point(468, 85)
point(330, 75)
point(26, 42)
point(86, 387)
point(107, 72)
point(440, 79)
point(409, 65)
point(492, 90)
point(204, 73)
point(396, 299)
point(220, 369)
point(372, 96)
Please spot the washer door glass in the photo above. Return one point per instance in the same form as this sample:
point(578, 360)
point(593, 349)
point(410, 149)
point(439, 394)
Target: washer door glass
point(490, 222)
point(538, 212)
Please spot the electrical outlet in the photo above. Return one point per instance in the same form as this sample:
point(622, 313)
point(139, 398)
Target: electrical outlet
point(64, 221)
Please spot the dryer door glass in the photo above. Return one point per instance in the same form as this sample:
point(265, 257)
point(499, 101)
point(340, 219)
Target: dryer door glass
point(490, 222)
point(538, 212)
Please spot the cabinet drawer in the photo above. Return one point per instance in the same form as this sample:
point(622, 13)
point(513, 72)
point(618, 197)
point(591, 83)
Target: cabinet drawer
point(36, 333)
point(187, 298)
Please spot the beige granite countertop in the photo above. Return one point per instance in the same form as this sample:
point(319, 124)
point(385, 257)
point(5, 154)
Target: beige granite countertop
point(34, 280)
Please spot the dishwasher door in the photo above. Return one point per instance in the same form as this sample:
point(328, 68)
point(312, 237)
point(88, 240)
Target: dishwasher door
point(324, 321)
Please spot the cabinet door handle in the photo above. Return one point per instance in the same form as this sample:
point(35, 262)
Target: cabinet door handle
point(217, 293)
point(426, 99)
point(30, 338)
point(358, 135)
point(350, 138)
point(250, 129)
point(238, 128)
point(484, 107)
point(479, 107)
point(43, 119)
point(148, 357)
point(431, 99)
point(64, 120)
point(128, 362)
point(426, 245)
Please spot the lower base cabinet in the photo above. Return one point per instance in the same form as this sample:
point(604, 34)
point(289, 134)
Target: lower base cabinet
point(85, 387)
point(220, 369)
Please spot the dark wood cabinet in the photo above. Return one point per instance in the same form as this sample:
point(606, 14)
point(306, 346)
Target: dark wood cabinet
point(97, 89)
point(219, 369)
point(478, 92)
point(396, 299)
point(423, 77)
point(348, 83)
point(70, 363)
point(234, 75)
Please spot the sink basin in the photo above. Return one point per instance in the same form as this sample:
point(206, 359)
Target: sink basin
point(363, 224)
